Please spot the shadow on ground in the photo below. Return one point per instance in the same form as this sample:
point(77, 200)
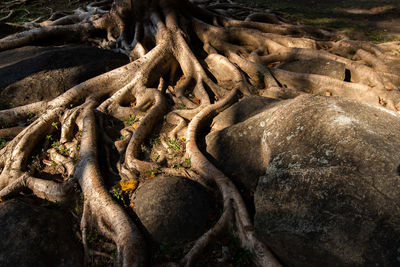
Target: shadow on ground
point(372, 20)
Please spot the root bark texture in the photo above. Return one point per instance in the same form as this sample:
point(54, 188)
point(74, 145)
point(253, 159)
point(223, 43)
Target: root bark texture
point(189, 61)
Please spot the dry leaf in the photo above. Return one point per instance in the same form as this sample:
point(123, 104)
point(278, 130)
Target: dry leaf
point(229, 87)
point(389, 89)
point(128, 185)
point(135, 125)
point(328, 93)
point(196, 100)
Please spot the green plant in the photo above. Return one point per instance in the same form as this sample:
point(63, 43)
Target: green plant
point(240, 256)
point(188, 163)
point(30, 117)
point(3, 143)
point(49, 137)
point(174, 144)
point(55, 144)
point(156, 157)
point(63, 151)
point(122, 137)
point(154, 141)
point(55, 124)
point(117, 192)
point(114, 254)
point(181, 106)
point(131, 120)
point(3, 123)
point(177, 166)
point(152, 173)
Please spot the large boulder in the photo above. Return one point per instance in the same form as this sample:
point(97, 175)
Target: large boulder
point(34, 235)
point(328, 185)
point(173, 209)
point(29, 74)
point(319, 66)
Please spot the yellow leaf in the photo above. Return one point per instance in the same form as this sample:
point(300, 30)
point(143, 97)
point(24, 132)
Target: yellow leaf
point(328, 93)
point(128, 185)
point(135, 125)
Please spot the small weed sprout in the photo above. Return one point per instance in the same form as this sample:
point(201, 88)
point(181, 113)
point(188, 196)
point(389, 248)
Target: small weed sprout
point(3, 143)
point(154, 141)
point(121, 138)
point(131, 120)
point(117, 193)
point(3, 124)
point(114, 254)
point(30, 117)
point(188, 163)
point(55, 144)
point(55, 124)
point(174, 144)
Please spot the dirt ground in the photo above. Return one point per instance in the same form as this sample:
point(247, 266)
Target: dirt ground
point(372, 20)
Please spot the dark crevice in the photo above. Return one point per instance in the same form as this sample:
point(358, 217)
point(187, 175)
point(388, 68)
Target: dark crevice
point(347, 76)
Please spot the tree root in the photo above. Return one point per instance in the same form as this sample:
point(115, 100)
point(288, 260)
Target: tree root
point(175, 85)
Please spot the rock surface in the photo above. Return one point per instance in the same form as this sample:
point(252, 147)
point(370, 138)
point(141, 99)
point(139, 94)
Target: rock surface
point(325, 67)
point(33, 235)
point(31, 73)
point(329, 179)
point(173, 209)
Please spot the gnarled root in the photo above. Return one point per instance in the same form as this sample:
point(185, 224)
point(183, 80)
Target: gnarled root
point(230, 194)
point(99, 207)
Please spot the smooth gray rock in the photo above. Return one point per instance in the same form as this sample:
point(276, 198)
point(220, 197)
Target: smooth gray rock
point(328, 192)
point(173, 209)
point(325, 67)
point(33, 73)
point(33, 235)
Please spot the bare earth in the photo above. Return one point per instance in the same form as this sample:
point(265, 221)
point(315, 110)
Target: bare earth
point(372, 20)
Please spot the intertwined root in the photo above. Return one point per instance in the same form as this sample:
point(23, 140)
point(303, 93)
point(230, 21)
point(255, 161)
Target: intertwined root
point(161, 38)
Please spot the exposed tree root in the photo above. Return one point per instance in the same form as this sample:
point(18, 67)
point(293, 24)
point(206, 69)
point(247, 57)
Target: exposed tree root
point(172, 82)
